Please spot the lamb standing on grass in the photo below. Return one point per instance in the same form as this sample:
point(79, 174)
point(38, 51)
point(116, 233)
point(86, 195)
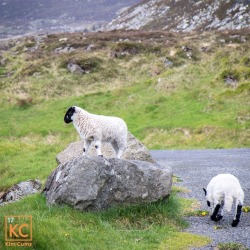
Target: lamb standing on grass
point(97, 129)
point(221, 191)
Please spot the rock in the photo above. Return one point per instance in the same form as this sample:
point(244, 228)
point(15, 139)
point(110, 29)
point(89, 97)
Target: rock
point(117, 54)
point(64, 39)
point(66, 49)
point(205, 49)
point(230, 82)
point(192, 15)
point(75, 68)
point(19, 191)
point(3, 61)
point(90, 47)
point(135, 150)
point(168, 63)
point(95, 183)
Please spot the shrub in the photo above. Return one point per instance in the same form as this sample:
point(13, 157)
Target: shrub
point(24, 102)
point(246, 61)
point(230, 73)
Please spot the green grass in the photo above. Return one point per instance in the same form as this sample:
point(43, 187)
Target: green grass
point(231, 246)
point(191, 107)
point(151, 226)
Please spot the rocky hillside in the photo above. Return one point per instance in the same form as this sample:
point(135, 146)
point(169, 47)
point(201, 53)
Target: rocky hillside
point(185, 15)
point(21, 17)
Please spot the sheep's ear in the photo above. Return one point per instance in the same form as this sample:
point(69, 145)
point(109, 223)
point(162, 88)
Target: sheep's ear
point(205, 191)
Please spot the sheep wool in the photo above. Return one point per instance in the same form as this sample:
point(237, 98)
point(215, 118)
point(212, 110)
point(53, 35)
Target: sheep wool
point(98, 129)
point(221, 192)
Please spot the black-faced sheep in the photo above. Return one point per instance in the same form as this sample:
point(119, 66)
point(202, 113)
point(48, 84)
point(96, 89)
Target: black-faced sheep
point(221, 192)
point(97, 129)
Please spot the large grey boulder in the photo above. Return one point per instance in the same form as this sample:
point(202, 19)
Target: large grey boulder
point(96, 183)
point(135, 150)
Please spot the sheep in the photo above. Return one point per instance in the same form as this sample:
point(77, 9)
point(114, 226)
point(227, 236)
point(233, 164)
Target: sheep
point(98, 129)
point(221, 191)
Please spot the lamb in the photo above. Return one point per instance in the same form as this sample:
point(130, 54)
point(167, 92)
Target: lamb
point(221, 191)
point(98, 129)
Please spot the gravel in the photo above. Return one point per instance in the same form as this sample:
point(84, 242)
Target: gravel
point(195, 168)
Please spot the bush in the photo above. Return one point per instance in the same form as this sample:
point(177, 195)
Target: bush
point(24, 102)
point(230, 73)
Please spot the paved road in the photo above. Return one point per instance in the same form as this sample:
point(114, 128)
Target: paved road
point(195, 168)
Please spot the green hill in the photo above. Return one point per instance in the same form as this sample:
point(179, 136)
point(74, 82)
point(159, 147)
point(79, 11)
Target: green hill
point(174, 90)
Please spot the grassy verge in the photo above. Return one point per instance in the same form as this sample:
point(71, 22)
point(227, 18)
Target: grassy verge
point(152, 226)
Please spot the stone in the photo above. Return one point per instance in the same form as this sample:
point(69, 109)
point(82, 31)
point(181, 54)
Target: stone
point(66, 49)
point(95, 183)
point(90, 47)
point(135, 150)
point(3, 61)
point(75, 68)
point(168, 63)
point(230, 82)
point(18, 191)
point(64, 39)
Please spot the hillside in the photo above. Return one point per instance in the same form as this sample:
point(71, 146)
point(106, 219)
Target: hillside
point(184, 15)
point(190, 90)
point(22, 17)
point(174, 90)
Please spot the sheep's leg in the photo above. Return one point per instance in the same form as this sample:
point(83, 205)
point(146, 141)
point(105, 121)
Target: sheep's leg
point(237, 214)
point(118, 149)
point(98, 148)
point(86, 144)
point(115, 147)
point(215, 216)
point(119, 154)
point(220, 213)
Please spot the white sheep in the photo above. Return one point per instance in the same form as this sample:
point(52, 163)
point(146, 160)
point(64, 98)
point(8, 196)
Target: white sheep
point(221, 192)
point(97, 129)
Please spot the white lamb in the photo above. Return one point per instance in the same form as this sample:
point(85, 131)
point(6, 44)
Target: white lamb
point(221, 191)
point(97, 129)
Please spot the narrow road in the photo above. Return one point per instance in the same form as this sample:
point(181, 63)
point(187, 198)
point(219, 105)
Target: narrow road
point(196, 168)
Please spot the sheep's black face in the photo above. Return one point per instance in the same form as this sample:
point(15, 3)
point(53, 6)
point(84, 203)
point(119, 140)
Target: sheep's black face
point(208, 202)
point(69, 114)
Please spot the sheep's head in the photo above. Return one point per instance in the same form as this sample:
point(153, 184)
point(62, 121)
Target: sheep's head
point(208, 202)
point(68, 116)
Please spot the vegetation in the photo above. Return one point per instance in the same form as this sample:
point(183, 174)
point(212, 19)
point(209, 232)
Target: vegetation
point(231, 246)
point(152, 226)
point(183, 105)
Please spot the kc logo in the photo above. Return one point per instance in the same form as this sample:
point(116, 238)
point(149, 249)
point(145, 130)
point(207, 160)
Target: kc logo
point(18, 229)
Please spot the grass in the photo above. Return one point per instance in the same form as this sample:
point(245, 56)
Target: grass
point(191, 107)
point(231, 246)
point(152, 226)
